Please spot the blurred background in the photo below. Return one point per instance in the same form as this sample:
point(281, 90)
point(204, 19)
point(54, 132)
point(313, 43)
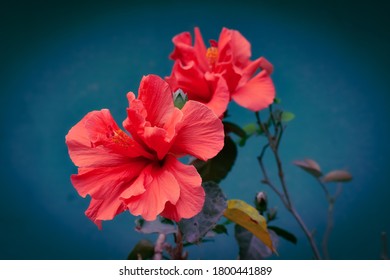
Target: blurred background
point(62, 59)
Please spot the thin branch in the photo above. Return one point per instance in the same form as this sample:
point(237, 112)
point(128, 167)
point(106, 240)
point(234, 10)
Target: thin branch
point(324, 188)
point(328, 230)
point(266, 179)
point(276, 129)
point(177, 252)
point(330, 221)
point(277, 158)
point(281, 177)
point(285, 197)
point(308, 234)
point(260, 124)
point(280, 136)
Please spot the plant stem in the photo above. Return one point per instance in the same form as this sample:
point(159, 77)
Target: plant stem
point(330, 222)
point(273, 143)
point(329, 227)
point(177, 252)
point(266, 179)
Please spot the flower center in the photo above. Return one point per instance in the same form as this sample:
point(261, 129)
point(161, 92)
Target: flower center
point(121, 138)
point(212, 53)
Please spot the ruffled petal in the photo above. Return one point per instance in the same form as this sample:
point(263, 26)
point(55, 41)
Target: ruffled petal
point(100, 126)
point(191, 80)
point(232, 75)
point(200, 133)
point(106, 209)
point(156, 97)
point(200, 50)
point(157, 139)
point(99, 182)
point(96, 140)
point(221, 97)
point(185, 53)
point(248, 72)
point(136, 115)
point(183, 50)
point(192, 194)
point(234, 47)
point(160, 187)
point(257, 94)
point(136, 187)
point(81, 152)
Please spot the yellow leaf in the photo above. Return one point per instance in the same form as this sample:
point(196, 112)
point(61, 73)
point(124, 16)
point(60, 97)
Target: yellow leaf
point(249, 218)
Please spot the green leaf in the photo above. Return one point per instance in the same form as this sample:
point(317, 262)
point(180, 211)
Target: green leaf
point(156, 226)
point(197, 227)
point(219, 229)
point(250, 247)
point(284, 234)
point(250, 128)
point(234, 128)
point(287, 116)
point(217, 168)
point(143, 250)
point(309, 166)
point(277, 100)
point(248, 217)
point(337, 176)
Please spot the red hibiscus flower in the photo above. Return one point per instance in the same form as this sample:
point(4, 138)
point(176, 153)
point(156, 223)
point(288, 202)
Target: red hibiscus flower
point(140, 171)
point(222, 72)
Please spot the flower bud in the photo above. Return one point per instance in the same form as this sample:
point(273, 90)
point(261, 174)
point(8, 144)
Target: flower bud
point(179, 98)
point(261, 202)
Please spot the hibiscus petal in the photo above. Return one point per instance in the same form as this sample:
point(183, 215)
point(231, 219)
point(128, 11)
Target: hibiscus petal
point(192, 194)
point(157, 139)
point(257, 94)
point(156, 97)
point(233, 46)
point(232, 75)
point(200, 50)
point(160, 187)
point(183, 50)
point(106, 209)
point(191, 80)
point(248, 72)
point(221, 97)
point(136, 115)
point(100, 126)
point(200, 133)
point(136, 119)
point(136, 187)
point(81, 152)
point(99, 182)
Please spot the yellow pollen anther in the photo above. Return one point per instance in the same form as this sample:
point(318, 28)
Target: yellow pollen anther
point(121, 138)
point(212, 55)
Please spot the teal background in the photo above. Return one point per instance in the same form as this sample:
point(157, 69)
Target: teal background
point(60, 61)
